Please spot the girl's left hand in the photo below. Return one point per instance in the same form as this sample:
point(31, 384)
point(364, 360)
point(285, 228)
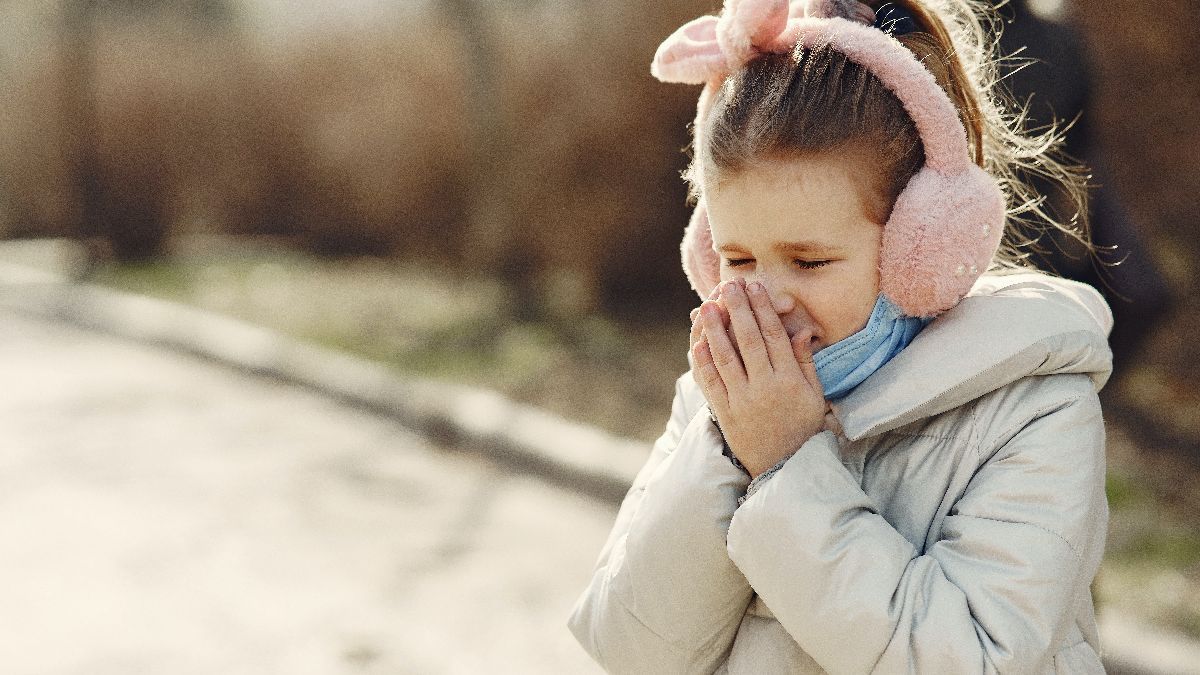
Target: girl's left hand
point(765, 392)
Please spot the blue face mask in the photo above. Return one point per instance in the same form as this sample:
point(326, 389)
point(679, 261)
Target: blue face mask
point(844, 364)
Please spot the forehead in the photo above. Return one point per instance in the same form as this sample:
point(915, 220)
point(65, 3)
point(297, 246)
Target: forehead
point(792, 205)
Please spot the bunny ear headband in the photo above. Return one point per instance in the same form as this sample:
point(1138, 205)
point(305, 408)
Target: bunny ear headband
point(947, 223)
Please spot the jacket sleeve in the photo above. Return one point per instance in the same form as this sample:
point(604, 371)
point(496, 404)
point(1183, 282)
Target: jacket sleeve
point(664, 597)
point(996, 592)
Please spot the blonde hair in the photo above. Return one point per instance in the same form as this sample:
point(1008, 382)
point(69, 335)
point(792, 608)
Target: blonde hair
point(816, 100)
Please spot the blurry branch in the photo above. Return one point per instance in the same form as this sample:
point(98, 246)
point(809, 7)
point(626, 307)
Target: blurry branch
point(79, 106)
point(490, 221)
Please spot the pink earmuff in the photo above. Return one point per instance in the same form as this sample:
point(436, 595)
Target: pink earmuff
point(947, 223)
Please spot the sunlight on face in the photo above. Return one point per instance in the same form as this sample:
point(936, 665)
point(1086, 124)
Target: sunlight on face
point(801, 227)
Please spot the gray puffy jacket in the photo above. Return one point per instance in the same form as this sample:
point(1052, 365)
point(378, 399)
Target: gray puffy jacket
point(953, 524)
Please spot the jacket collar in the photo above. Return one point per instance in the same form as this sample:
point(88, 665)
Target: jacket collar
point(1011, 325)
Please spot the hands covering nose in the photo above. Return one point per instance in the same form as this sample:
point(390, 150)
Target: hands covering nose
point(762, 387)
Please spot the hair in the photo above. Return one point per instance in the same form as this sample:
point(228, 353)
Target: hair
point(815, 101)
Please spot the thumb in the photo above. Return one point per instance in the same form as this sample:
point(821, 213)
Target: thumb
point(804, 357)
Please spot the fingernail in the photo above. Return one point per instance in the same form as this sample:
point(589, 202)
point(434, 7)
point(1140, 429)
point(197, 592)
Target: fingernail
point(756, 287)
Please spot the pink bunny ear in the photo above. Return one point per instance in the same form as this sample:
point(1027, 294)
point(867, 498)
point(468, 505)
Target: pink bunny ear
point(749, 24)
point(691, 54)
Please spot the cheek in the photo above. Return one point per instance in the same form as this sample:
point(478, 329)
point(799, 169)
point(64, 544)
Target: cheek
point(843, 305)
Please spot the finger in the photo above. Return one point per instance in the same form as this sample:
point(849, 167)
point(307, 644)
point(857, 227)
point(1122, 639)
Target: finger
point(779, 348)
point(716, 301)
point(708, 377)
point(804, 357)
point(745, 330)
point(698, 324)
point(802, 345)
point(726, 360)
point(724, 314)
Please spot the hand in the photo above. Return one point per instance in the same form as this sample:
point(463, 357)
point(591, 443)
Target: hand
point(762, 387)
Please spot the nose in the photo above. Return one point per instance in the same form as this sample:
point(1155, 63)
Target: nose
point(781, 298)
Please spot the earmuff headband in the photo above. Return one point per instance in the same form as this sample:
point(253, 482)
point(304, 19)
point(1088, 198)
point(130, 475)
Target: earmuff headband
point(947, 223)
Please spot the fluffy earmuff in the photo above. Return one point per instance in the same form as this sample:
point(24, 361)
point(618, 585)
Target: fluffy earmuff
point(942, 234)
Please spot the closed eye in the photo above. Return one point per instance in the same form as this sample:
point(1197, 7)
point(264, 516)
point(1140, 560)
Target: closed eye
point(805, 264)
point(812, 264)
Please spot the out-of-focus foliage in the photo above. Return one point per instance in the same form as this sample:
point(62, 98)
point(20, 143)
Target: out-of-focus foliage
point(527, 137)
point(184, 119)
point(523, 139)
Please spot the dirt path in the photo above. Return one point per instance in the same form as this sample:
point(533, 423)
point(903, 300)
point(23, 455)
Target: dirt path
point(162, 515)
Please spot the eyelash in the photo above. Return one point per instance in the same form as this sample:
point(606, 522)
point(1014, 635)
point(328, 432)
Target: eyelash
point(805, 264)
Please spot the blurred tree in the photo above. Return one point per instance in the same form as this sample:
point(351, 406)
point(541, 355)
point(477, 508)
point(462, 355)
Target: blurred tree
point(489, 229)
point(79, 106)
point(122, 206)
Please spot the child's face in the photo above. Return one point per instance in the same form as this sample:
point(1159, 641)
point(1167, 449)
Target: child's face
point(802, 228)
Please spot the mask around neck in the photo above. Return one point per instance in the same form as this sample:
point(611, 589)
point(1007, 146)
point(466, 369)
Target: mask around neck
point(844, 364)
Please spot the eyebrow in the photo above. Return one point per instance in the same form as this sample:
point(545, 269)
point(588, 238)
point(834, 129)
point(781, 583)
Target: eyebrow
point(806, 246)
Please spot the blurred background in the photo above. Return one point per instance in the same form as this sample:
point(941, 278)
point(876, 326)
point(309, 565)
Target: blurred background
point(488, 193)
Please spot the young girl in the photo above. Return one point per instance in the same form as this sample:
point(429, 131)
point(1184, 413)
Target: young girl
point(888, 455)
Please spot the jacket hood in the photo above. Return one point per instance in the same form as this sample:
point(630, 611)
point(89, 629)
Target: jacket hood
point(1011, 325)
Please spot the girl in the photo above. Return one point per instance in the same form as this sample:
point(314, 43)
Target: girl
point(888, 455)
